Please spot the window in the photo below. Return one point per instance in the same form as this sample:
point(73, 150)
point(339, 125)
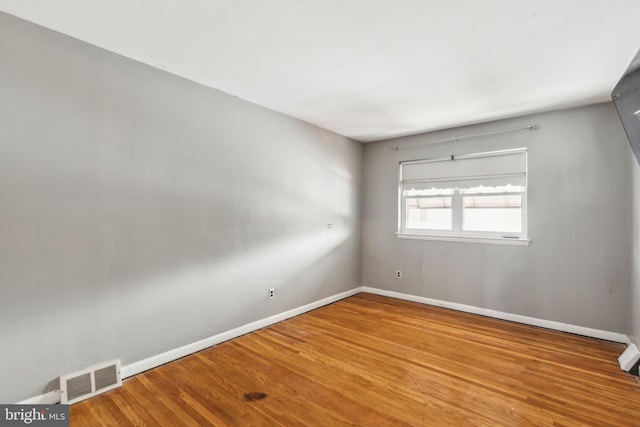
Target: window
point(479, 195)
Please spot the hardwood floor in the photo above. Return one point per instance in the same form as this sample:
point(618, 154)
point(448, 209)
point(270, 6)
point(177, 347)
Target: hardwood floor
point(376, 361)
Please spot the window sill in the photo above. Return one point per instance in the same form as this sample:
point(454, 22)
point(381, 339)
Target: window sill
point(466, 239)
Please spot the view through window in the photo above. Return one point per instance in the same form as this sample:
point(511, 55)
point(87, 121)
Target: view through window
point(481, 194)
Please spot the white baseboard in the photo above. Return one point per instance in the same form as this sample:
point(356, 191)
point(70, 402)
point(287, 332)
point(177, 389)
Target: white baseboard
point(168, 356)
point(549, 324)
point(131, 369)
point(49, 398)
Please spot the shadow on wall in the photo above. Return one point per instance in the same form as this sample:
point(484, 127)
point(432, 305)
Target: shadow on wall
point(128, 272)
point(141, 211)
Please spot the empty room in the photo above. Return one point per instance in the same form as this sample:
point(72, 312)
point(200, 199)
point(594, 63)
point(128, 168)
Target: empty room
point(285, 212)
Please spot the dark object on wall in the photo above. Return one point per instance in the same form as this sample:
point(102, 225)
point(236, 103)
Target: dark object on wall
point(626, 97)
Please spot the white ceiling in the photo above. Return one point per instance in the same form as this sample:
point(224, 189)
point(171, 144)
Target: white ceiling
point(370, 69)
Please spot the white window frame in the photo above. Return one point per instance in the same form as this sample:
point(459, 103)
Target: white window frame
point(457, 234)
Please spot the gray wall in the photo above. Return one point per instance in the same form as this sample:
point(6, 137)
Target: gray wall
point(634, 300)
point(142, 212)
point(576, 270)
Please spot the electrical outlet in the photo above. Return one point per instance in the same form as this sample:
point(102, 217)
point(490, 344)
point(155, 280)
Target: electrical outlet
point(272, 293)
point(399, 274)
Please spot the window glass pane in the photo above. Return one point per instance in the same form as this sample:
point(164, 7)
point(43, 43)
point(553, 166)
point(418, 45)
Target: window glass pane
point(474, 194)
point(492, 213)
point(428, 213)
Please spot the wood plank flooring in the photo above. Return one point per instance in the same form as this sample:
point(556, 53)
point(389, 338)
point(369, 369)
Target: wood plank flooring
point(376, 361)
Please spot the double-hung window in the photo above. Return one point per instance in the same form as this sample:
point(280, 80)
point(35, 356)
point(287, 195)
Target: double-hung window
point(481, 195)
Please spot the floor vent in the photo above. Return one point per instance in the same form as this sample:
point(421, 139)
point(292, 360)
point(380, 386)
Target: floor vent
point(90, 382)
